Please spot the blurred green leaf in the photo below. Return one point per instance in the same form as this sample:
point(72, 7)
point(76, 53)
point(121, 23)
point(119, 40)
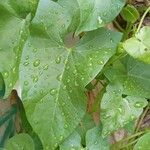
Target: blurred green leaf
point(139, 46)
point(133, 75)
point(56, 76)
point(130, 13)
point(20, 142)
point(13, 32)
point(2, 86)
point(94, 141)
point(118, 110)
point(86, 123)
point(143, 143)
point(88, 15)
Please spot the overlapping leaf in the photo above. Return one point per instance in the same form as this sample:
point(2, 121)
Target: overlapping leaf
point(94, 141)
point(20, 8)
point(143, 142)
point(2, 86)
point(12, 36)
point(88, 14)
point(133, 75)
point(139, 46)
point(53, 76)
point(20, 141)
point(118, 110)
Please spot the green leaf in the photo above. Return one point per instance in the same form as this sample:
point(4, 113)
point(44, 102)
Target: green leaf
point(139, 46)
point(72, 142)
point(143, 142)
point(118, 110)
point(89, 15)
point(132, 75)
point(20, 8)
point(53, 76)
point(94, 141)
point(2, 86)
point(86, 123)
point(12, 35)
point(20, 141)
point(130, 13)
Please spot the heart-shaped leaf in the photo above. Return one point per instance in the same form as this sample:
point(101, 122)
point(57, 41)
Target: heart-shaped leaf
point(118, 110)
point(53, 76)
point(139, 46)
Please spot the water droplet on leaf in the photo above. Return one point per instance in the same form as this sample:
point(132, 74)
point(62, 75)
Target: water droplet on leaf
point(26, 83)
point(99, 20)
point(58, 60)
point(46, 67)
point(35, 79)
point(59, 77)
point(138, 104)
point(52, 91)
point(6, 74)
point(26, 63)
point(35, 50)
point(36, 63)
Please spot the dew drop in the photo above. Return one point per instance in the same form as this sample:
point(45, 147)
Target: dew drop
point(63, 26)
point(75, 72)
point(35, 79)
point(82, 78)
point(76, 84)
point(120, 110)
point(138, 104)
point(64, 87)
point(132, 117)
point(27, 57)
point(6, 74)
point(46, 67)
point(35, 50)
point(66, 126)
point(96, 143)
point(61, 138)
point(90, 64)
point(90, 58)
point(26, 63)
point(58, 60)
point(68, 80)
point(41, 92)
point(10, 84)
point(99, 20)
point(59, 77)
point(52, 91)
point(101, 62)
point(36, 63)
point(26, 83)
point(14, 70)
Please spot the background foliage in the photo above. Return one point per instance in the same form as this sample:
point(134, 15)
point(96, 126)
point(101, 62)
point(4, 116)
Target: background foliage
point(55, 78)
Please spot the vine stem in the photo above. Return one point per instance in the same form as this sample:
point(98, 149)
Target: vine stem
point(142, 19)
point(141, 118)
point(127, 31)
point(118, 144)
